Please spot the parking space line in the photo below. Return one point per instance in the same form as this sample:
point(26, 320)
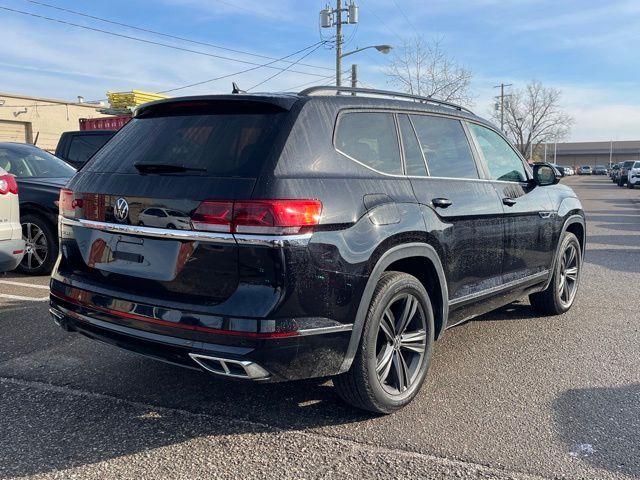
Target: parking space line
point(22, 284)
point(20, 297)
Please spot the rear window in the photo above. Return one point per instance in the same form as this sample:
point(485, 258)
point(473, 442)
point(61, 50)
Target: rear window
point(217, 145)
point(82, 147)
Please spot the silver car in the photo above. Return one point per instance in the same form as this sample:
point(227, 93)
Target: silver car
point(11, 242)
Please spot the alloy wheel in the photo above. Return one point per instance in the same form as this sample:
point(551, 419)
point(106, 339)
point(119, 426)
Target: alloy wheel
point(569, 271)
point(36, 250)
point(401, 343)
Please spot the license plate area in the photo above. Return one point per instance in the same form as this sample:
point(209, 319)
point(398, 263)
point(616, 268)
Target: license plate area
point(148, 258)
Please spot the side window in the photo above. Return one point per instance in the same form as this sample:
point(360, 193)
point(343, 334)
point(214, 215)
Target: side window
point(445, 146)
point(370, 138)
point(412, 153)
point(502, 161)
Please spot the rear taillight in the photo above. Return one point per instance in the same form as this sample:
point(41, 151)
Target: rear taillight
point(267, 217)
point(69, 204)
point(8, 184)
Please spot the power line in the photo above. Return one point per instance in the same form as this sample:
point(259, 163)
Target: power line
point(151, 42)
point(406, 17)
point(209, 80)
point(167, 35)
point(282, 71)
point(393, 32)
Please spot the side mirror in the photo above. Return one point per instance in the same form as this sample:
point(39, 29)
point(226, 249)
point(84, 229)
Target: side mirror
point(545, 174)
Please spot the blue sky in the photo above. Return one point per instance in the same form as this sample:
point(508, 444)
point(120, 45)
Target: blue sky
point(588, 49)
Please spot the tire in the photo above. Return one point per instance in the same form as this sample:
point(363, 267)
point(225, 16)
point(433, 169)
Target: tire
point(363, 386)
point(41, 251)
point(555, 299)
point(630, 185)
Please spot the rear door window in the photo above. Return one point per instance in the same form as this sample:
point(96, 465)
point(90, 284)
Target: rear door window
point(445, 146)
point(216, 145)
point(371, 139)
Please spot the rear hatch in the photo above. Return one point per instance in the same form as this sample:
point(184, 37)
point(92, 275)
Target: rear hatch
point(136, 225)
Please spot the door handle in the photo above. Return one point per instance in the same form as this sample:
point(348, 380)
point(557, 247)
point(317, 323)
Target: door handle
point(441, 202)
point(509, 202)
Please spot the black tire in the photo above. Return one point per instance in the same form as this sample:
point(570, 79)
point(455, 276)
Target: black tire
point(630, 185)
point(362, 386)
point(40, 254)
point(555, 300)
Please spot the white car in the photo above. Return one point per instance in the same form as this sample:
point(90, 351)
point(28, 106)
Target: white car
point(164, 218)
point(633, 175)
point(11, 242)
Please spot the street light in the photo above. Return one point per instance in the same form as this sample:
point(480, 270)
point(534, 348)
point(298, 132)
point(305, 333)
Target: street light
point(381, 48)
point(384, 49)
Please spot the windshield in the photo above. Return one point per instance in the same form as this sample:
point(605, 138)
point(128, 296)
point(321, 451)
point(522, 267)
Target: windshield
point(220, 145)
point(31, 162)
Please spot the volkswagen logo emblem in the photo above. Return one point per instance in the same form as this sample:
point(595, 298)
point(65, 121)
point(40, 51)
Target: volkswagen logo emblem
point(121, 210)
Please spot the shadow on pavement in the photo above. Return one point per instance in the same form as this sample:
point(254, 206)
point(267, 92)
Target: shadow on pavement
point(48, 430)
point(620, 259)
point(601, 426)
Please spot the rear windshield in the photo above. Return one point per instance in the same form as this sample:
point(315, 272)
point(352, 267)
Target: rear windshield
point(217, 145)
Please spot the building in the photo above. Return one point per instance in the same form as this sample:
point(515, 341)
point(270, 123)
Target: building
point(591, 153)
point(40, 121)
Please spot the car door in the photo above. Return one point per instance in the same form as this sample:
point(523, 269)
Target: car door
point(528, 210)
point(462, 211)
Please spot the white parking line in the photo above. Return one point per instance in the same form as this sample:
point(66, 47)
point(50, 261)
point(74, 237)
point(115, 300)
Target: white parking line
point(22, 284)
point(26, 299)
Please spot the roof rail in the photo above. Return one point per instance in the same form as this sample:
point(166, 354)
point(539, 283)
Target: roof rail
point(383, 93)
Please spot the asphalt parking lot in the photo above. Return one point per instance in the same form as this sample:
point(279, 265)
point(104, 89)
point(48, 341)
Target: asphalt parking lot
point(509, 395)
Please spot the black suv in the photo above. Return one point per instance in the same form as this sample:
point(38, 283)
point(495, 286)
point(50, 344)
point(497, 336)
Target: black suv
point(623, 172)
point(334, 232)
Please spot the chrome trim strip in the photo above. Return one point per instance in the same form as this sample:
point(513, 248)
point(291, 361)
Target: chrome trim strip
point(162, 233)
point(191, 235)
point(505, 286)
point(333, 329)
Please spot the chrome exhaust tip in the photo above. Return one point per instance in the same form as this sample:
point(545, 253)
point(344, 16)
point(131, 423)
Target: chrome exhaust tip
point(230, 368)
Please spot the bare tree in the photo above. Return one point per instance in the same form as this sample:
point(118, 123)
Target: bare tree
point(533, 116)
point(423, 68)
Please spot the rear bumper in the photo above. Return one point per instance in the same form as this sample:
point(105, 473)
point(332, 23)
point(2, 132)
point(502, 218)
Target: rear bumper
point(11, 253)
point(311, 352)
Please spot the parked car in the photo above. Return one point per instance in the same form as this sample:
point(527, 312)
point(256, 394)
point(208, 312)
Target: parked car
point(600, 170)
point(164, 218)
point(320, 243)
point(11, 242)
point(615, 169)
point(559, 168)
point(568, 171)
point(623, 172)
point(633, 175)
point(76, 148)
point(584, 170)
point(40, 176)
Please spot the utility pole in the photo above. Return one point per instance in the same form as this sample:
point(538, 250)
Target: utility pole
point(354, 75)
point(339, 40)
point(610, 153)
point(501, 104)
point(333, 18)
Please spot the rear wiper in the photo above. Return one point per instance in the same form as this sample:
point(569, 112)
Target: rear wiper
point(165, 168)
